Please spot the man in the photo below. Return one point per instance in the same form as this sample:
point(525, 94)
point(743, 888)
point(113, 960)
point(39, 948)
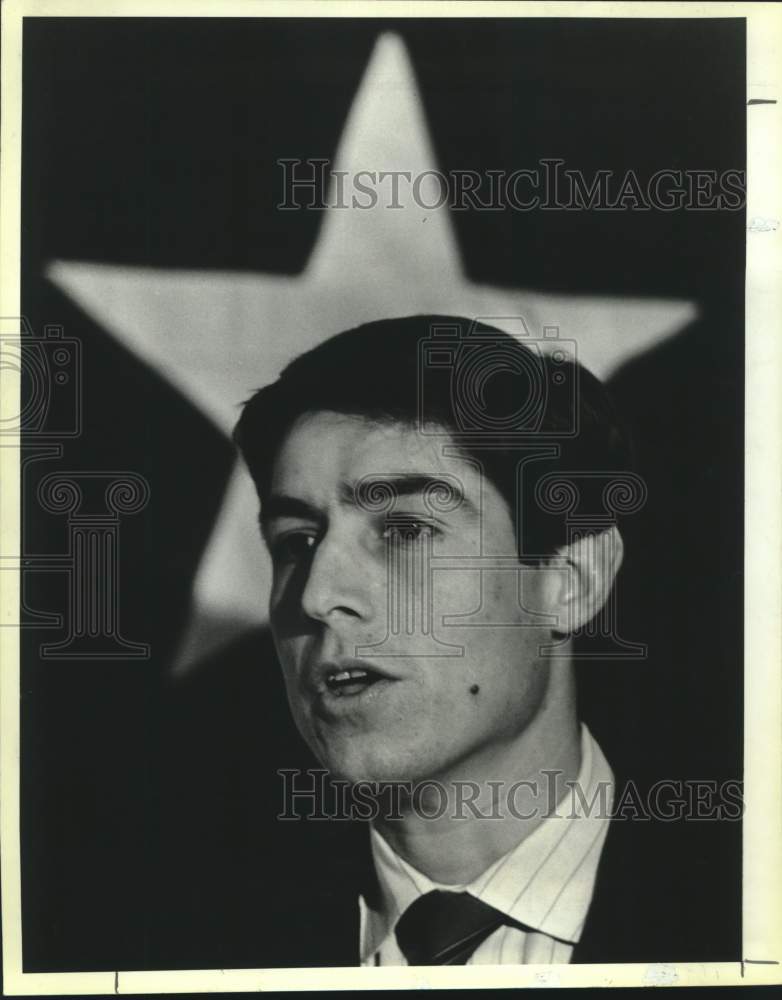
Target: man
point(402, 470)
point(440, 503)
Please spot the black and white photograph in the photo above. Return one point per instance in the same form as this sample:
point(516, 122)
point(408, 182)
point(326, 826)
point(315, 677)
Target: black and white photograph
point(390, 530)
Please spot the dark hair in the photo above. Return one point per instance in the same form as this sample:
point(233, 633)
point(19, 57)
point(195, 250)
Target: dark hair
point(487, 388)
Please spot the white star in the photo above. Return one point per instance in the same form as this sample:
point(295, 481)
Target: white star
point(217, 337)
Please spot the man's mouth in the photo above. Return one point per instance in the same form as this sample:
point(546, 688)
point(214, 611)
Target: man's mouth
point(351, 681)
point(347, 678)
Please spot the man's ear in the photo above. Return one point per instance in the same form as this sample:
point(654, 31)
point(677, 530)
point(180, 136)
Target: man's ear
point(588, 568)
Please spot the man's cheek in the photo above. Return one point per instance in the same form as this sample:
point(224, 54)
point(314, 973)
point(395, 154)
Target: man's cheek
point(471, 598)
point(456, 598)
point(288, 657)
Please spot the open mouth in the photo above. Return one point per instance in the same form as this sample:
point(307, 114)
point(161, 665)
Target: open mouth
point(350, 681)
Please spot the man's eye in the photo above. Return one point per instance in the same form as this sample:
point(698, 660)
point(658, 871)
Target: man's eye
point(294, 546)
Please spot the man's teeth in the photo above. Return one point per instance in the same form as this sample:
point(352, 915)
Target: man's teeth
point(350, 681)
point(347, 675)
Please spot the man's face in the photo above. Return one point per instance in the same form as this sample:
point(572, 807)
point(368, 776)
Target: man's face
point(366, 636)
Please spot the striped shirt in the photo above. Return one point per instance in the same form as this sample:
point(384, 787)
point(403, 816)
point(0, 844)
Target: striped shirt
point(545, 882)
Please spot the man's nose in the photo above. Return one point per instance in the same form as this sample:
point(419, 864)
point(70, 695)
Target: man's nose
point(338, 583)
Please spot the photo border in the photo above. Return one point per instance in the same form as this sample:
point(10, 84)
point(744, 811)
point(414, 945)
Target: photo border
point(762, 824)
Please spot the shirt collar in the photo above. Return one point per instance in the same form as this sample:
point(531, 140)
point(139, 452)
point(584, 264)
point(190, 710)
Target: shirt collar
point(545, 882)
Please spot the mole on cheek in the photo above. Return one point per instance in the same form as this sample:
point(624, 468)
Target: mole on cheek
point(474, 689)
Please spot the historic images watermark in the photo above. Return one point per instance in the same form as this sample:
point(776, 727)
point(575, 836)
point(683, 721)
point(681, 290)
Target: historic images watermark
point(313, 794)
point(93, 503)
point(550, 185)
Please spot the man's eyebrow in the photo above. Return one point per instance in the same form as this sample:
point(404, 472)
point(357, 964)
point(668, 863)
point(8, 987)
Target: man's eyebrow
point(282, 505)
point(406, 484)
point(362, 495)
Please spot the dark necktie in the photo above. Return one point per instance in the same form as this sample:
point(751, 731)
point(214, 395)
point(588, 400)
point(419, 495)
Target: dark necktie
point(445, 928)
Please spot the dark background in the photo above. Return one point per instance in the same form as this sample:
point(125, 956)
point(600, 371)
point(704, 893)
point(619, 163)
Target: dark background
point(154, 142)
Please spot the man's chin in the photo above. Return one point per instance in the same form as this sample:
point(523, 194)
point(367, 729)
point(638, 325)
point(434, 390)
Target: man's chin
point(372, 765)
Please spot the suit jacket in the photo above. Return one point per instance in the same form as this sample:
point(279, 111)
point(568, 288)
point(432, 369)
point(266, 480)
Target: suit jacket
point(645, 906)
point(298, 904)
